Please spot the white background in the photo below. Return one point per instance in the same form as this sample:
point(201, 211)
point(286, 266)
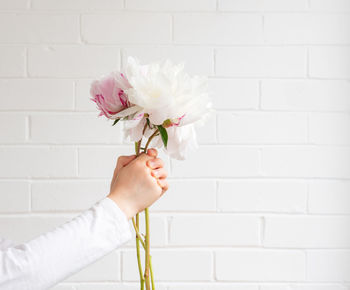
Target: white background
point(264, 203)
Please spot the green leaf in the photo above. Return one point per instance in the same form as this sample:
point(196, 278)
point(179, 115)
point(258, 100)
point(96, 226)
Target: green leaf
point(116, 121)
point(163, 134)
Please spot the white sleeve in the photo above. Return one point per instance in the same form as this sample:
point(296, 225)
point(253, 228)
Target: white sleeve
point(5, 243)
point(55, 255)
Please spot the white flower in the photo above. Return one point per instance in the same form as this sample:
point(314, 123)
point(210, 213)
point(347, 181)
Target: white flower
point(166, 92)
point(182, 141)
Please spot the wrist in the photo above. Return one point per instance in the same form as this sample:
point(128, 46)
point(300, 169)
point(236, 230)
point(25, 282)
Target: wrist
point(122, 204)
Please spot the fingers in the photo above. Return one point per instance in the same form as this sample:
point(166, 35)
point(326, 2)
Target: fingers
point(163, 183)
point(152, 152)
point(160, 173)
point(155, 163)
point(143, 157)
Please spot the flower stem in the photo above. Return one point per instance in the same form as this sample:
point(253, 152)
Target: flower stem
point(138, 234)
point(145, 278)
point(150, 267)
point(138, 254)
point(147, 254)
point(138, 238)
point(148, 262)
point(150, 139)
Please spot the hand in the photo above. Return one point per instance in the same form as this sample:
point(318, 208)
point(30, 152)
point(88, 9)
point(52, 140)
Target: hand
point(138, 182)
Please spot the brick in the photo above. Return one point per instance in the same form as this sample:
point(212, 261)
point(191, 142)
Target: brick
point(330, 62)
point(262, 196)
point(53, 195)
point(216, 286)
point(12, 128)
point(260, 265)
point(309, 161)
point(82, 96)
point(333, 128)
point(207, 230)
point(328, 266)
point(206, 132)
point(301, 95)
point(238, 162)
point(127, 28)
point(105, 269)
point(329, 197)
point(197, 60)
point(307, 28)
point(100, 162)
point(303, 287)
point(262, 5)
point(71, 129)
point(63, 287)
point(39, 28)
point(189, 260)
point(278, 62)
point(234, 94)
point(112, 286)
point(72, 61)
point(25, 228)
point(307, 232)
point(12, 59)
point(77, 4)
point(200, 195)
point(37, 162)
point(262, 128)
point(13, 4)
point(158, 231)
point(210, 28)
point(36, 94)
point(168, 5)
point(14, 196)
point(330, 5)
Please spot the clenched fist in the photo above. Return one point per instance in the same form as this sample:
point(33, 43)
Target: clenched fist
point(138, 182)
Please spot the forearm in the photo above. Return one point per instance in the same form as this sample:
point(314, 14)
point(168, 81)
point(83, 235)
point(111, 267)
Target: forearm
point(55, 255)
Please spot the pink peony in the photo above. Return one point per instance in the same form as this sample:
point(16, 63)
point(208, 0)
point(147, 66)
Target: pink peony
point(109, 94)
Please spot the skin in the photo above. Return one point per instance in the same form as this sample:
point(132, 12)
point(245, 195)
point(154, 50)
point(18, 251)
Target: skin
point(138, 182)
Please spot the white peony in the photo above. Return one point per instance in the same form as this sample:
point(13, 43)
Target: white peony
point(166, 92)
point(167, 96)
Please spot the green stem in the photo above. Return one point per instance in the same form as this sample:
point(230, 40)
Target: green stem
point(148, 264)
point(146, 244)
point(147, 254)
point(150, 139)
point(138, 239)
point(138, 255)
point(138, 234)
point(150, 268)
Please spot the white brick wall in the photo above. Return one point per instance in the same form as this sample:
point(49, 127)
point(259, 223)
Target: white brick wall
point(265, 202)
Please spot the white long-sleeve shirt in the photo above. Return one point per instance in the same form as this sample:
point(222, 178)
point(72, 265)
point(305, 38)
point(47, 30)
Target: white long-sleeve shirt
point(53, 256)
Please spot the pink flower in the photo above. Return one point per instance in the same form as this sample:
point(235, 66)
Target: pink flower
point(109, 94)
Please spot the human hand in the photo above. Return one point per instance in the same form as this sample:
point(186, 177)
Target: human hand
point(138, 182)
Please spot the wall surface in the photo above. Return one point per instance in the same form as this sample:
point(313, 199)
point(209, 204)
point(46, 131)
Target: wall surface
point(264, 204)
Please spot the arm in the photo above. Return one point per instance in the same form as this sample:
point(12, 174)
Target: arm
point(5, 243)
point(53, 256)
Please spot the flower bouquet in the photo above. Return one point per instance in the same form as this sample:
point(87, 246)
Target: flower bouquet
point(158, 102)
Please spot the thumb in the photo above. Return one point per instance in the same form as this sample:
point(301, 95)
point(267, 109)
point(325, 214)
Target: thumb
point(124, 160)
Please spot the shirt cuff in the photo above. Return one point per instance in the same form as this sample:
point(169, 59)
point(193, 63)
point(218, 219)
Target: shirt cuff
point(121, 221)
